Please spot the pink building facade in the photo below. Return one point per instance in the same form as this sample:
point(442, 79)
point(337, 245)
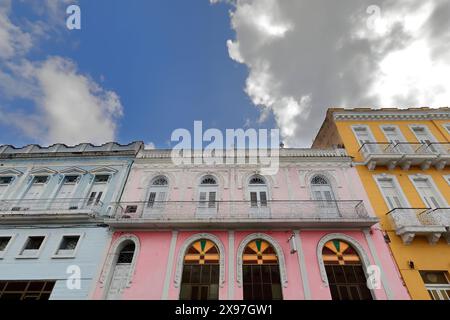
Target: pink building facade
point(229, 232)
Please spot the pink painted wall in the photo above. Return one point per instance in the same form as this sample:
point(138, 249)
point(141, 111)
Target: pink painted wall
point(290, 183)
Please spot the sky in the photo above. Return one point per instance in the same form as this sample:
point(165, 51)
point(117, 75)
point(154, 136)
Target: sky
point(138, 70)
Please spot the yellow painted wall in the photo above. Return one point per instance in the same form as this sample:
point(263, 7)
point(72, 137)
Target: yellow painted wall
point(424, 255)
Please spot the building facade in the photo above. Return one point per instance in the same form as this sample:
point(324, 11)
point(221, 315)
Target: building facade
point(52, 206)
point(403, 158)
point(227, 231)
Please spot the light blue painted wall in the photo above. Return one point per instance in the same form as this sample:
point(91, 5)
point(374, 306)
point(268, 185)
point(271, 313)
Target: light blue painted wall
point(89, 257)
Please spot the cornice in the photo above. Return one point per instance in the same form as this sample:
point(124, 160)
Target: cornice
point(397, 115)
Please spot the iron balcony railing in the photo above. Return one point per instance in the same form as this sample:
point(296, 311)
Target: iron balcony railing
point(409, 148)
point(50, 206)
point(241, 210)
point(420, 217)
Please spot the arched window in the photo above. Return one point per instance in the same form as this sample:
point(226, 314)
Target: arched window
point(201, 272)
point(257, 188)
point(157, 194)
point(122, 266)
point(323, 193)
point(261, 272)
point(345, 273)
point(207, 194)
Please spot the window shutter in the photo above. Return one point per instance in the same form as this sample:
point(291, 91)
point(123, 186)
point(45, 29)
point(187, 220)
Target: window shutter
point(162, 196)
point(202, 199)
point(91, 198)
point(99, 197)
point(253, 199)
point(212, 199)
point(263, 198)
point(151, 199)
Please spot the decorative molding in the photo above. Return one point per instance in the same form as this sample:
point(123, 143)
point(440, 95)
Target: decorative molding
point(302, 265)
point(114, 251)
point(231, 265)
point(276, 246)
point(104, 169)
point(182, 252)
point(10, 172)
point(333, 236)
point(169, 268)
point(73, 170)
point(43, 171)
point(376, 115)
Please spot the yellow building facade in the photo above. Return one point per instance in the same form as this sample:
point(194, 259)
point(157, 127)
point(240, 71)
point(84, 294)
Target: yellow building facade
point(403, 159)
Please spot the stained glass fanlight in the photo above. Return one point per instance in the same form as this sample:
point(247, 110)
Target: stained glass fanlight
point(339, 252)
point(202, 252)
point(259, 252)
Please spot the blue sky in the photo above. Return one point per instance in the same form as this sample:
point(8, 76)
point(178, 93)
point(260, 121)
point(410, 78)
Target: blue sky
point(139, 69)
point(166, 60)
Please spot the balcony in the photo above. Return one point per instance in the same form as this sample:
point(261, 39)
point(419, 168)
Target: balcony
point(240, 214)
point(405, 155)
point(27, 210)
point(411, 222)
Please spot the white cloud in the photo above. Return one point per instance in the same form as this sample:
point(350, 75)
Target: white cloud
point(68, 106)
point(149, 146)
point(306, 56)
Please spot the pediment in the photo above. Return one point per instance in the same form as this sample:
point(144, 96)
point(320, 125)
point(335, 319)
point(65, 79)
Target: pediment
point(43, 171)
point(73, 170)
point(10, 172)
point(105, 170)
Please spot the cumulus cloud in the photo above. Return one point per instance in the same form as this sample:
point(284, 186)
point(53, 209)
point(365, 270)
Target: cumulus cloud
point(306, 56)
point(67, 106)
point(149, 146)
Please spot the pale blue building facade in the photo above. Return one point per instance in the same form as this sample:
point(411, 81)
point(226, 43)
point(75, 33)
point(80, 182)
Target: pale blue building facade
point(52, 205)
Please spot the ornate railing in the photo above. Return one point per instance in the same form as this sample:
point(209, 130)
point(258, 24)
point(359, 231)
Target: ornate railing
point(50, 206)
point(236, 210)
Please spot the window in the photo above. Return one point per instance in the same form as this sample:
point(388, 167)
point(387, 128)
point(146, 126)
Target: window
point(345, 273)
point(437, 284)
point(40, 179)
point(4, 184)
point(323, 194)
point(200, 279)
point(121, 270)
point(395, 137)
point(258, 192)
point(157, 193)
point(26, 290)
point(365, 139)
point(68, 246)
point(208, 194)
point(103, 178)
point(6, 180)
point(391, 194)
point(428, 193)
point(261, 272)
point(4, 241)
point(32, 246)
point(425, 137)
point(98, 190)
point(68, 187)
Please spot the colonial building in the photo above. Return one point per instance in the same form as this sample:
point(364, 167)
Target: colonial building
point(403, 159)
point(52, 204)
point(227, 231)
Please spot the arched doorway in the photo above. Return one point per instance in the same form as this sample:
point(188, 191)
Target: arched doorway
point(201, 272)
point(261, 272)
point(345, 273)
point(121, 270)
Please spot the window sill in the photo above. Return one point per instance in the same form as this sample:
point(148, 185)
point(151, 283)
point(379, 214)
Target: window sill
point(60, 256)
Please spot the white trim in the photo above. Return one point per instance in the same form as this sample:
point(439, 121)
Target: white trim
point(302, 266)
point(10, 172)
point(355, 244)
point(275, 245)
point(231, 265)
point(447, 178)
point(108, 269)
point(103, 170)
point(42, 172)
point(169, 267)
point(73, 171)
point(183, 249)
point(447, 127)
point(39, 251)
point(413, 177)
point(399, 114)
point(369, 132)
point(332, 182)
point(75, 251)
point(12, 237)
point(383, 128)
